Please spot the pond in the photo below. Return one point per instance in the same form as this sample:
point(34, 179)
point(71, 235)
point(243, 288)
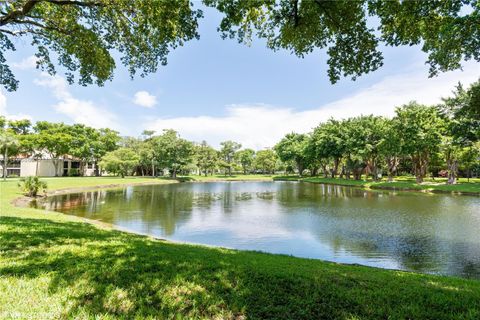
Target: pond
point(427, 233)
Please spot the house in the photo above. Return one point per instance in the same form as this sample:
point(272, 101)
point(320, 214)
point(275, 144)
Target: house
point(13, 167)
point(24, 166)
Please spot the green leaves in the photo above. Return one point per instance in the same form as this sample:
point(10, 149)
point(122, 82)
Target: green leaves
point(172, 151)
point(352, 31)
point(30, 186)
point(86, 35)
point(292, 148)
point(121, 161)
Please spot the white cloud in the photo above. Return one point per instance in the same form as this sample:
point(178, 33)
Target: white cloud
point(3, 104)
point(80, 111)
point(145, 99)
point(27, 63)
point(4, 112)
point(259, 125)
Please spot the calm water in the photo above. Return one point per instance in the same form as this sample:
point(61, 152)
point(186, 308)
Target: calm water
point(410, 231)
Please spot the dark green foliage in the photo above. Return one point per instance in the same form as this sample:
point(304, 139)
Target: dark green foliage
point(30, 186)
point(84, 34)
point(448, 31)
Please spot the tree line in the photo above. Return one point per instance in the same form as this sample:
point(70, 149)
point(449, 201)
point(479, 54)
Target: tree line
point(440, 140)
point(418, 140)
point(149, 154)
point(55, 140)
point(171, 154)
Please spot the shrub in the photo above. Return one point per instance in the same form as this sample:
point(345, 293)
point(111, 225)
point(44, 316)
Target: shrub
point(31, 185)
point(74, 172)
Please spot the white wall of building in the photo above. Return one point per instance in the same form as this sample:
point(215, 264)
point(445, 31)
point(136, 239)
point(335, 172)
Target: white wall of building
point(46, 168)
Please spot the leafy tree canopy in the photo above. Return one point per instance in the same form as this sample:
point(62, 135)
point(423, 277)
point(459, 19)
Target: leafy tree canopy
point(84, 35)
point(292, 148)
point(463, 113)
point(346, 30)
point(121, 161)
point(266, 160)
point(172, 151)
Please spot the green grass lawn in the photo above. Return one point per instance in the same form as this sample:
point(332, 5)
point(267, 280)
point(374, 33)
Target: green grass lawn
point(400, 183)
point(233, 177)
point(56, 266)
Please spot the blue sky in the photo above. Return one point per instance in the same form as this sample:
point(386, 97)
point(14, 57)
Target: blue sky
point(216, 89)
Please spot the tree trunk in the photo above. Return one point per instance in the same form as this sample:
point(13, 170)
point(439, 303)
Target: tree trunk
point(452, 171)
point(55, 165)
point(392, 163)
point(5, 162)
point(300, 168)
point(325, 170)
point(36, 167)
point(153, 169)
point(375, 172)
point(420, 163)
point(174, 173)
point(335, 167)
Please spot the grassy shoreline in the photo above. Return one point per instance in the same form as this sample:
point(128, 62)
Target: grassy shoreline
point(57, 266)
point(402, 184)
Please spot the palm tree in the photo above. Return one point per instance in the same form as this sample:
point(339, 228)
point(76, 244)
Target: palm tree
point(7, 141)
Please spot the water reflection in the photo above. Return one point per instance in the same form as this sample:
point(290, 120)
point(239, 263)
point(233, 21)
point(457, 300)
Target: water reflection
point(426, 233)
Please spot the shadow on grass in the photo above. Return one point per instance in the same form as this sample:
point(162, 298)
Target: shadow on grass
point(116, 274)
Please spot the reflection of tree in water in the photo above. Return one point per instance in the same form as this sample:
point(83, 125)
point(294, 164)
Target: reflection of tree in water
point(369, 225)
point(306, 194)
point(465, 260)
point(381, 225)
point(150, 206)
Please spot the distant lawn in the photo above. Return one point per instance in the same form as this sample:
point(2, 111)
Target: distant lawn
point(56, 266)
point(233, 177)
point(400, 183)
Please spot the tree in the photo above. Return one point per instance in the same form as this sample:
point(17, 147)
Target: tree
point(84, 35)
point(227, 154)
point(463, 111)
point(146, 152)
point(469, 157)
point(20, 126)
point(421, 130)
point(246, 158)
point(362, 137)
point(390, 148)
point(173, 152)
point(448, 32)
point(120, 162)
point(452, 151)
point(107, 141)
point(292, 149)
point(7, 141)
point(206, 158)
point(54, 139)
point(329, 144)
point(3, 122)
point(81, 145)
point(266, 161)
